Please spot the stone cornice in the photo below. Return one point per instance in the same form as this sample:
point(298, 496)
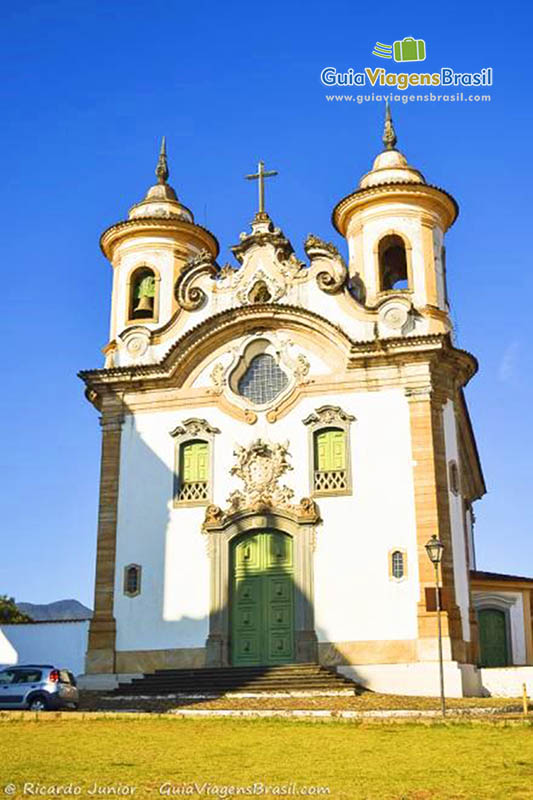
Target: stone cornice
point(200, 340)
point(112, 235)
point(394, 189)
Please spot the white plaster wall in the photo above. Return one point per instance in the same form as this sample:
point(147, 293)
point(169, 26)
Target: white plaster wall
point(172, 609)
point(507, 681)
point(62, 644)
point(354, 597)
point(420, 679)
point(8, 654)
point(460, 564)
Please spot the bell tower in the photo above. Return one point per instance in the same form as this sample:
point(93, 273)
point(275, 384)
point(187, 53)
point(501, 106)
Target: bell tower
point(148, 251)
point(395, 223)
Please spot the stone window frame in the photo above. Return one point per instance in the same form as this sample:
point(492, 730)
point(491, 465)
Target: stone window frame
point(391, 553)
point(128, 315)
point(408, 258)
point(219, 541)
point(254, 345)
point(322, 418)
point(193, 430)
point(138, 572)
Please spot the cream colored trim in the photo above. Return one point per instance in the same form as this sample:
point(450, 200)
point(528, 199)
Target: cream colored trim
point(102, 629)
point(391, 552)
point(428, 251)
point(145, 661)
point(421, 196)
point(321, 419)
point(129, 319)
point(219, 542)
point(193, 430)
point(432, 511)
point(398, 651)
point(381, 292)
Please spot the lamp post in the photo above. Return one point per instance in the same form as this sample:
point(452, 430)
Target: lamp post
point(434, 550)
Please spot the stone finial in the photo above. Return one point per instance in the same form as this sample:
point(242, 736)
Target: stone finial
point(389, 134)
point(161, 169)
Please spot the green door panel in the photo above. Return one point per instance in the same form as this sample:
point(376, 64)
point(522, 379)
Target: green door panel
point(247, 555)
point(262, 599)
point(493, 638)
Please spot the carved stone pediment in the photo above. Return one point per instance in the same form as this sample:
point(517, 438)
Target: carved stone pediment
point(328, 415)
point(194, 427)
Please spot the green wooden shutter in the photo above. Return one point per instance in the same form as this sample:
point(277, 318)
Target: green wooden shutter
point(330, 450)
point(195, 456)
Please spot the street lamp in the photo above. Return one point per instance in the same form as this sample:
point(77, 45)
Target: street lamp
point(434, 550)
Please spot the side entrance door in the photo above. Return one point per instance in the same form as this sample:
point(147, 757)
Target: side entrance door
point(493, 638)
point(262, 599)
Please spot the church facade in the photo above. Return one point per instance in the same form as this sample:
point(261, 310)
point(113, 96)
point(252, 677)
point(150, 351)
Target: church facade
point(280, 441)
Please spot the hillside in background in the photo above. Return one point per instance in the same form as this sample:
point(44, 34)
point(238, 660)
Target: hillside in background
point(60, 609)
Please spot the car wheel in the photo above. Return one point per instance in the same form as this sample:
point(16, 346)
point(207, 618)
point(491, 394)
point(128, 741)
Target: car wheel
point(38, 703)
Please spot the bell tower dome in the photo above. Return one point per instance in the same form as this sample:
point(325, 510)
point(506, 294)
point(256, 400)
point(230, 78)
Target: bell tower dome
point(395, 223)
point(148, 251)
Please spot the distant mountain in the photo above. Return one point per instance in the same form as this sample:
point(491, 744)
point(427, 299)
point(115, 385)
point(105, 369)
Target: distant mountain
point(60, 609)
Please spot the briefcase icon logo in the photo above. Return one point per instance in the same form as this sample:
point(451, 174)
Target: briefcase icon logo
point(409, 49)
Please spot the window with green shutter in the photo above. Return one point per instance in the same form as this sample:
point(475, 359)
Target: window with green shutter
point(330, 473)
point(194, 471)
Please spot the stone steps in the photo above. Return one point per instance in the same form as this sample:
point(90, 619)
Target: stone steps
point(279, 678)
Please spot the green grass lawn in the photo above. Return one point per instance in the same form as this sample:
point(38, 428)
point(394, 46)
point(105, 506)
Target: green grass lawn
point(395, 760)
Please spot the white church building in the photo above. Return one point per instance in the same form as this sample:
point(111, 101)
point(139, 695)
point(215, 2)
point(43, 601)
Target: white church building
point(280, 441)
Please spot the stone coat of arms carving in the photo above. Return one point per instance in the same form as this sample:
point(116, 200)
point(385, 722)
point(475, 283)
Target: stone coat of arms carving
point(260, 466)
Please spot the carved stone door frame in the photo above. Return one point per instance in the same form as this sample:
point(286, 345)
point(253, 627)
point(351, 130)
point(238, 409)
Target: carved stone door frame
point(220, 533)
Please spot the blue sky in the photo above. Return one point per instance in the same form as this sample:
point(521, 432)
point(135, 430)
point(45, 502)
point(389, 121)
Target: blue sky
point(88, 89)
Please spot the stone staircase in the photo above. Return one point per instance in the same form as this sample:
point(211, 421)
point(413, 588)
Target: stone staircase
point(298, 679)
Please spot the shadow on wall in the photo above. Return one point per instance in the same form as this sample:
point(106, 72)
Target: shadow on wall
point(165, 621)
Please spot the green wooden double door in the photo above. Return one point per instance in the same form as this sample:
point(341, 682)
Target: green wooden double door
point(262, 599)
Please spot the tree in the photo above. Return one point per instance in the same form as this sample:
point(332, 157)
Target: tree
point(9, 613)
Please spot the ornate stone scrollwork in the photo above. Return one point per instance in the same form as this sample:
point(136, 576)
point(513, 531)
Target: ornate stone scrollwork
point(194, 427)
point(328, 415)
point(396, 317)
point(192, 297)
point(135, 340)
point(332, 279)
point(260, 467)
point(217, 378)
point(247, 285)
